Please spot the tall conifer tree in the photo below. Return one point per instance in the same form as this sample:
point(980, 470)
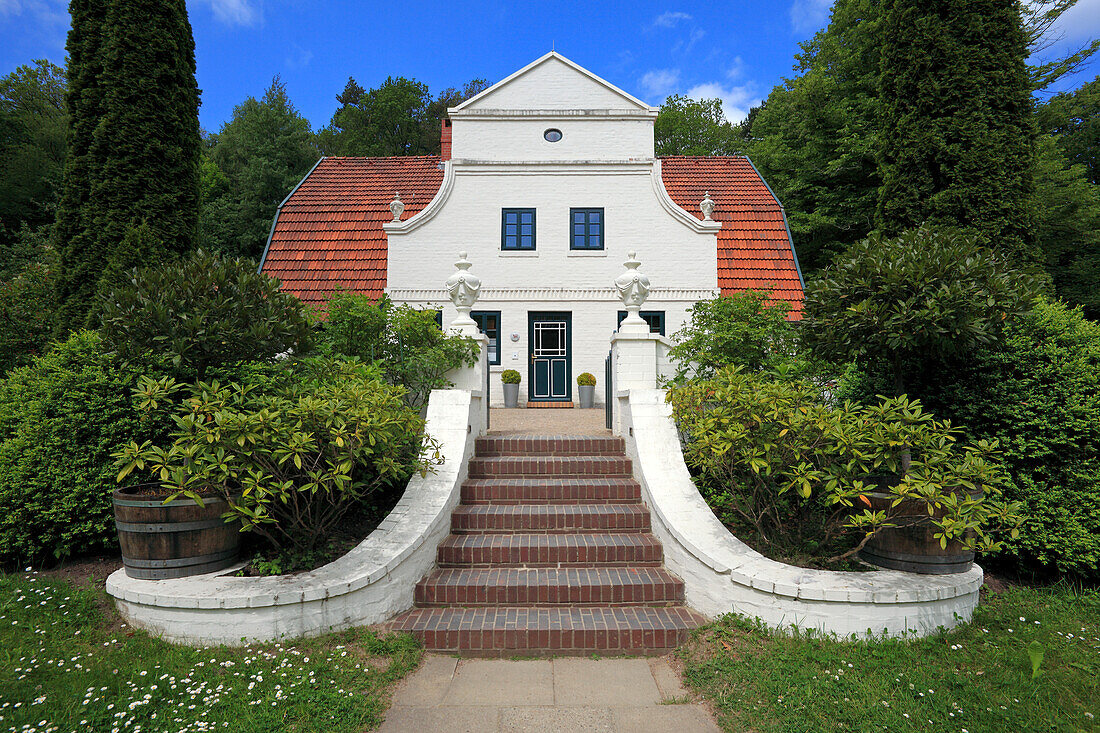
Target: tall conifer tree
point(135, 149)
point(957, 135)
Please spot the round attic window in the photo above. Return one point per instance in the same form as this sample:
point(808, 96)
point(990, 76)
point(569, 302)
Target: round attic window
point(552, 135)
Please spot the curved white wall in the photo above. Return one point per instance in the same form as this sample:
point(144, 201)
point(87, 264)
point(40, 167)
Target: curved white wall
point(723, 575)
point(368, 585)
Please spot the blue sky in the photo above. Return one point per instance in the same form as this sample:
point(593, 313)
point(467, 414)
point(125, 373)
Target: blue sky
point(733, 50)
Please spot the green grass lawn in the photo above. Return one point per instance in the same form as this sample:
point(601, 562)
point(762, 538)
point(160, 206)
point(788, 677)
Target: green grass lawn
point(67, 663)
point(976, 678)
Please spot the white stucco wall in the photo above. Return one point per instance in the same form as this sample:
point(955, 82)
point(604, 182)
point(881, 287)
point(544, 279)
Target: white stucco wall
point(679, 257)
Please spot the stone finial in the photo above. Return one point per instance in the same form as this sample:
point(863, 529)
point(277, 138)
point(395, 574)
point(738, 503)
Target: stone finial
point(633, 287)
point(463, 288)
point(397, 206)
point(707, 206)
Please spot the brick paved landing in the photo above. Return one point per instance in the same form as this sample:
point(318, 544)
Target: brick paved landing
point(550, 553)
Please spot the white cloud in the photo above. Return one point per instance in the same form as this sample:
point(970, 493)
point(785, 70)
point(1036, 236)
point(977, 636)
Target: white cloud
point(660, 82)
point(1080, 22)
point(808, 16)
point(48, 18)
point(235, 12)
point(736, 69)
point(684, 46)
point(299, 57)
point(736, 100)
point(670, 19)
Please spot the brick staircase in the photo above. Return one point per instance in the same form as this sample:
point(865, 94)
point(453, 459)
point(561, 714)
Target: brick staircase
point(550, 553)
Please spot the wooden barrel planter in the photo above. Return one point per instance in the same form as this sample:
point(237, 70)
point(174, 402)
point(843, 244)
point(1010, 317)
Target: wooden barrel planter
point(913, 548)
point(173, 540)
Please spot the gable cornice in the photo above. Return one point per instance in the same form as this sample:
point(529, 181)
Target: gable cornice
point(539, 62)
point(691, 222)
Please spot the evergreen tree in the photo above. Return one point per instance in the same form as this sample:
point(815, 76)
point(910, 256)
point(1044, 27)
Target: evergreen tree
point(134, 152)
point(957, 135)
point(1074, 117)
point(690, 127)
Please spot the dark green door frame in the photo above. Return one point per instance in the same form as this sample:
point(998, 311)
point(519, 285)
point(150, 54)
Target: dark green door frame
point(549, 375)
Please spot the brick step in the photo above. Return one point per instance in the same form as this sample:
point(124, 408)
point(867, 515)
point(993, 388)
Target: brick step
point(550, 518)
point(549, 586)
point(550, 445)
point(559, 466)
point(488, 631)
point(549, 490)
point(550, 550)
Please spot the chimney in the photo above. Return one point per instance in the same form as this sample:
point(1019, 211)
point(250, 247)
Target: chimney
point(445, 140)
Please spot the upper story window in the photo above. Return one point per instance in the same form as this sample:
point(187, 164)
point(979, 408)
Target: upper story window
point(586, 228)
point(517, 229)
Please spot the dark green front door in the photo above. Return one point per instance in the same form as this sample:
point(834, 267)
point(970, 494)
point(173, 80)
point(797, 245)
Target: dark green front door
point(549, 340)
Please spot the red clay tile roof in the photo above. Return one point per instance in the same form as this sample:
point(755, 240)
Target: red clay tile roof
point(754, 249)
point(328, 233)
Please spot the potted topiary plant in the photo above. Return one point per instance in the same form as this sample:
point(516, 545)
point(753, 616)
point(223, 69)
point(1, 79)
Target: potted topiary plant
point(511, 380)
point(586, 389)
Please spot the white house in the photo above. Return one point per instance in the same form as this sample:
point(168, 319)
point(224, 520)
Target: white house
point(547, 180)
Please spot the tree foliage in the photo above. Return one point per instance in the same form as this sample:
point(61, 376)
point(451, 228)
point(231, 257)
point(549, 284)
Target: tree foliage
point(201, 313)
point(134, 144)
point(956, 122)
point(815, 138)
point(901, 306)
point(1074, 119)
point(695, 127)
point(33, 128)
point(253, 162)
point(1038, 394)
point(399, 117)
point(1067, 225)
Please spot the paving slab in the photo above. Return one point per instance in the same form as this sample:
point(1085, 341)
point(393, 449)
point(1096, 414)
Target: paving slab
point(664, 718)
point(452, 719)
point(667, 679)
point(557, 719)
point(428, 685)
point(500, 683)
point(606, 682)
point(521, 421)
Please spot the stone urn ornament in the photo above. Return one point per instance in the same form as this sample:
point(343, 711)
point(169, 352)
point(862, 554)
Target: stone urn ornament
point(463, 288)
point(707, 206)
point(633, 287)
point(397, 206)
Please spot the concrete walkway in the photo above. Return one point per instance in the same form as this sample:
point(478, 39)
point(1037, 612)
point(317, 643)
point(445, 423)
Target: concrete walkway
point(520, 421)
point(565, 694)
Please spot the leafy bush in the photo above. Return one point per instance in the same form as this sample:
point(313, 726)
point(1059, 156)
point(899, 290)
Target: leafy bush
point(199, 313)
point(60, 418)
point(1038, 395)
point(408, 344)
point(26, 307)
point(292, 461)
point(772, 459)
point(510, 376)
point(746, 329)
point(586, 379)
point(900, 306)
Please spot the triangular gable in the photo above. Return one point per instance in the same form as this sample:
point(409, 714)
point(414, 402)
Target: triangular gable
point(552, 82)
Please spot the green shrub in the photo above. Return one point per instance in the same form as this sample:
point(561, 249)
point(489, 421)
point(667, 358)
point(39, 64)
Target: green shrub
point(408, 344)
point(292, 460)
point(60, 419)
point(586, 380)
point(1038, 395)
point(510, 376)
point(200, 313)
point(901, 306)
point(746, 329)
point(26, 307)
point(772, 459)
